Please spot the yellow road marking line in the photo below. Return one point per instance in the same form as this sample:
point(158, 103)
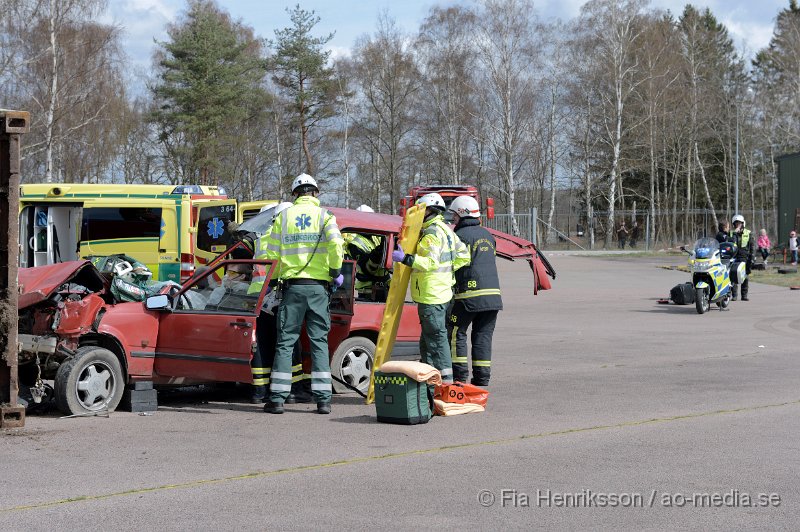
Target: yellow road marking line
point(401, 454)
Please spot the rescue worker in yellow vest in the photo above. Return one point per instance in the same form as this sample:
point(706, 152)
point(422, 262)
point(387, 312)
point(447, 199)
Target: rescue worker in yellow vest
point(477, 299)
point(308, 247)
point(439, 254)
point(267, 334)
point(367, 251)
point(744, 253)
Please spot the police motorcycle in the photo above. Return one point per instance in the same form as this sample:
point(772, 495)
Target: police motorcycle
point(709, 264)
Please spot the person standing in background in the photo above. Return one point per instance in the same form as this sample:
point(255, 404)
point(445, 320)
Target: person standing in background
point(764, 245)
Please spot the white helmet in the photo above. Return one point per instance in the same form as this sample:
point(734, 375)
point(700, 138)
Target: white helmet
point(304, 180)
point(466, 207)
point(738, 218)
point(432, 200)
point(365, 208)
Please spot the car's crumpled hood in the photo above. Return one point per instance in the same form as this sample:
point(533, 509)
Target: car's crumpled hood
point(39, 283)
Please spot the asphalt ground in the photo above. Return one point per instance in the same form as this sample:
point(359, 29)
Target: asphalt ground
point(608, 411)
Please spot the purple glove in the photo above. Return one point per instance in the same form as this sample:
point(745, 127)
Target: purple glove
point(398, 255)
point(338, 281)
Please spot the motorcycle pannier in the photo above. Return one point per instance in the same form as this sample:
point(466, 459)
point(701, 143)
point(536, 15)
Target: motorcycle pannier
point(682, 294)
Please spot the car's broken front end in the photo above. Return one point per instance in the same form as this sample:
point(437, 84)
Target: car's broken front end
point(58, 305)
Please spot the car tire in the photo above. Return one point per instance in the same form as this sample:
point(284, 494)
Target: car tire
point(90, 381)
point(352, 363)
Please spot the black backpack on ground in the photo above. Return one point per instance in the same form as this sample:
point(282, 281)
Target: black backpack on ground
point(682, 294)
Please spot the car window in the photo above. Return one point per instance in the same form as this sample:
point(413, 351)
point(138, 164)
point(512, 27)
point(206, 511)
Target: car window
point(342, 299)
point(234, 293)
point(106, 223)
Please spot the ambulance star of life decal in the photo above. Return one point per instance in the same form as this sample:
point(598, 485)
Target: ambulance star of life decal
point(215, 228)
point(303, 221)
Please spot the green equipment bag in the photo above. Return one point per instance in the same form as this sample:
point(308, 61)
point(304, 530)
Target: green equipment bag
point(400, 399)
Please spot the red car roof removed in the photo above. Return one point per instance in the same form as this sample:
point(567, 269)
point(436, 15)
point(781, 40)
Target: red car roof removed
point(508, 246)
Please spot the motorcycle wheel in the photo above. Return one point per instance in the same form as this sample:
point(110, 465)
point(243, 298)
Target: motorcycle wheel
point(724, 302)
point(701, 300)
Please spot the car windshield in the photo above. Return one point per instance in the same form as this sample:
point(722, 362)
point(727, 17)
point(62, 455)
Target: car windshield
point(260, 223)
point(705, 248)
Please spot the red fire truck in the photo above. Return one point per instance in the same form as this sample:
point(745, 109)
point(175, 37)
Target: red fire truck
point(448, 194)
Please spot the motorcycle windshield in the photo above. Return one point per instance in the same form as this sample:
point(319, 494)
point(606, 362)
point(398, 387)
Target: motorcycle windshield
point(705, 248)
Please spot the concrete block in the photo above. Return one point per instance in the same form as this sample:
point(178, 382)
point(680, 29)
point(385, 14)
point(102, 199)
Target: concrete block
point(140, 385)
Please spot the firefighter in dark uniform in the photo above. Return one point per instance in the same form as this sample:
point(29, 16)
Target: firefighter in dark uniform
point(477, 296)
point(744, 252)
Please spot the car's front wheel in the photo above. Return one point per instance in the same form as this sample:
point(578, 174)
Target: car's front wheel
point(90, 381)
point(352, 363)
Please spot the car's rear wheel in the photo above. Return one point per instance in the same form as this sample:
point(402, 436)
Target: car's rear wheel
point(352, 363)
point(90, 381)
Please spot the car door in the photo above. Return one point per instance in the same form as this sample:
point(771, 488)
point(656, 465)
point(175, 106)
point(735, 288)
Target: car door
point(342, 301)
point(209, 333)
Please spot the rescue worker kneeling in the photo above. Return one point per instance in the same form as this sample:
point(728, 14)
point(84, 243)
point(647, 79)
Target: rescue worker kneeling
point(439, 254)
point(307, 245)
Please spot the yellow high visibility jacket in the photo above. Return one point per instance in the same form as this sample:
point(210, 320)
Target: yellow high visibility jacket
point(370, 270)
point(439, 254)
point(303, 234)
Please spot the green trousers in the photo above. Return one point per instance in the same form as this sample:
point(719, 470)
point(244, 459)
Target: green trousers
point(433, 344)
point(309, 303)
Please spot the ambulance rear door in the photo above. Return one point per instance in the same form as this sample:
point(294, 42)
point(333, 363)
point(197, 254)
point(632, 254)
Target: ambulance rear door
point(210, 221)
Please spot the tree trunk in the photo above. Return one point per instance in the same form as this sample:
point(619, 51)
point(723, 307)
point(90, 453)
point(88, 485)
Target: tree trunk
point(279, 158)
point(51, 104)
point(616, 146)
point(705, 185)
point(552, 148)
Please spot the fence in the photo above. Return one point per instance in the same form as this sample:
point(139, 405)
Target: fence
point(526, 223)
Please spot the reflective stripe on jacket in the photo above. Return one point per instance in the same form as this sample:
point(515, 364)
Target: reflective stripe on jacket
point(304, 234)
point(439, 254)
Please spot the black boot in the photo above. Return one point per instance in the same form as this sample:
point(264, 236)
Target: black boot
point(323, 408)
point(298, 396)
point(273, 408)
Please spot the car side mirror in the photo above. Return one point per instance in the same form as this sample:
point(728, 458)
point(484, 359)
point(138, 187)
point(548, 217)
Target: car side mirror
point(157, 302)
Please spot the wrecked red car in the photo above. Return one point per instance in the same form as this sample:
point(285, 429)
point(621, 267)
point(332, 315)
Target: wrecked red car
point(71, 329)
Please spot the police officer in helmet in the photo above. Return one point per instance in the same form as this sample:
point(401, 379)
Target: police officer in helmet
point(439, 254)
point(744, 252)
point(308, 248)
point(477, 295)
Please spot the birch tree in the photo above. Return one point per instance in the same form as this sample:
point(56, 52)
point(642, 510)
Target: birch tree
point(612, 29)
point(504, 40)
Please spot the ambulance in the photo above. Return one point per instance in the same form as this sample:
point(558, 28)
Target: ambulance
point(170, 228)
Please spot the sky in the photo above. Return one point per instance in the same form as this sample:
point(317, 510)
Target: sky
point(750, 22)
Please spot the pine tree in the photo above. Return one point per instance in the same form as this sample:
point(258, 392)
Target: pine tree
point(210, 72)
point(301, 71)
